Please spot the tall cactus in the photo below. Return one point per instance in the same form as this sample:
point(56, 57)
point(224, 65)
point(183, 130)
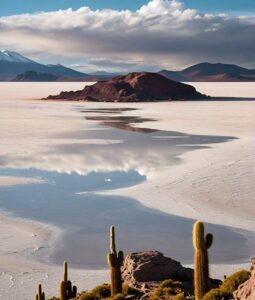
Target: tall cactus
point(39, 295)
point(67, 291)
point(115, 261)
point(201, 243)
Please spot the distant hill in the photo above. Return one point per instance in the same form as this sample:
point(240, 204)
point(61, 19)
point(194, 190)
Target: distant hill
point(35, 76)
point(13, 64)
point(104, 73)
point(177, 76)
point(211, 72)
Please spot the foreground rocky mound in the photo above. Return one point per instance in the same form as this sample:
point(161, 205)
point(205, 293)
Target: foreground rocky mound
point(134, 87)
point(146, 270)
point(246, 291)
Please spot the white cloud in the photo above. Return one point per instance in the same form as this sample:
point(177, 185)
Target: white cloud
point(163, 33)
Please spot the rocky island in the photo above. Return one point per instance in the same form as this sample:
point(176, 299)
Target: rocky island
point(133, 87)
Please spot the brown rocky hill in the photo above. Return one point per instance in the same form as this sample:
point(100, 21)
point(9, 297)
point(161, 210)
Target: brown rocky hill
point(134, 87)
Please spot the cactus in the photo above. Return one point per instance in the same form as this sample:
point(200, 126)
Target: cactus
point(115, 261)
point(201, 243)
point(40, 295)
point(67, 291)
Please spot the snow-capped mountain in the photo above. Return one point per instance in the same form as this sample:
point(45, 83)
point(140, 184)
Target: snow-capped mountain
point(12, 56)
point(13, 64)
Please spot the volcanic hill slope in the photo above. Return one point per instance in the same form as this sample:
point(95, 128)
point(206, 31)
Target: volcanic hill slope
point(13, 64)
point(134, 87)
point(209, 72)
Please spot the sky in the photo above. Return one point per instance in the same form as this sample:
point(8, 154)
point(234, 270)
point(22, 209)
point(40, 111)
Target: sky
point(130, 35)
point(11, 7)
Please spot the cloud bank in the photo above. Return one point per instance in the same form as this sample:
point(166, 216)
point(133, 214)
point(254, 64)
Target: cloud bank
point(162, 33)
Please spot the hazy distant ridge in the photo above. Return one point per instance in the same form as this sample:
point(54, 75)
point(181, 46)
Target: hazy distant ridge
point(14, 66)
point(211, 72)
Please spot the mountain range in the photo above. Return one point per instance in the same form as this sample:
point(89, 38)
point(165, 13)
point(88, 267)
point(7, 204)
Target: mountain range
point(16, 67)
point(13, 64)
point(211, 72)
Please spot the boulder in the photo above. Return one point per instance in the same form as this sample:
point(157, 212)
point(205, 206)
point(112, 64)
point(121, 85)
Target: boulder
point(148, 266)
point(145, 271)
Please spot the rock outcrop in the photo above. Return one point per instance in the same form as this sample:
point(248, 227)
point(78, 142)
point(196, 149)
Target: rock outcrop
point(246, 291)
point(145, 271)
point(134, 87)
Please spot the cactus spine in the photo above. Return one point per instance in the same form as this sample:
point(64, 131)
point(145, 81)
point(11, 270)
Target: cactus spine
point(67, 291)
point(40, 295)
point(201, 243)
point(115, 261)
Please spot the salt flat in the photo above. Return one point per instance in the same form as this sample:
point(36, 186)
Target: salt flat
point(215, 184)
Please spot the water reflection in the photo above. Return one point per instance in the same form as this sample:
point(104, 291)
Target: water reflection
point(127, 147)
point(106, 156)
point(117, 145)
point(123, 122)
point(112, 110)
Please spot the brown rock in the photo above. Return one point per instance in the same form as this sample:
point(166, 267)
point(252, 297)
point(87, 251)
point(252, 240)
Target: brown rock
point(134, 87)
point(246, 291)
point(150, 266)
point(146, 270)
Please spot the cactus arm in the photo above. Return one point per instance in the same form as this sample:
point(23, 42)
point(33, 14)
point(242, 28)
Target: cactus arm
point(112, 240)
point(120, 258)
point(74, 291)
point(208, 240)
point(69, 289)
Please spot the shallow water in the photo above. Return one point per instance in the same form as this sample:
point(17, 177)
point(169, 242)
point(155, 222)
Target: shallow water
point(75, 175)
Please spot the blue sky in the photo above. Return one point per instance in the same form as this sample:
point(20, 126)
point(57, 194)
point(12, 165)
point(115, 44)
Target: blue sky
point(10, 7)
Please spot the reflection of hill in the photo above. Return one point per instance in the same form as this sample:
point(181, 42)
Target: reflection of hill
point(109, 110)
point(123, 122)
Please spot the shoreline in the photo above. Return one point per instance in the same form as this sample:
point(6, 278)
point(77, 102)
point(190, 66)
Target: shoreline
point(168, 186)
point(25, 272)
